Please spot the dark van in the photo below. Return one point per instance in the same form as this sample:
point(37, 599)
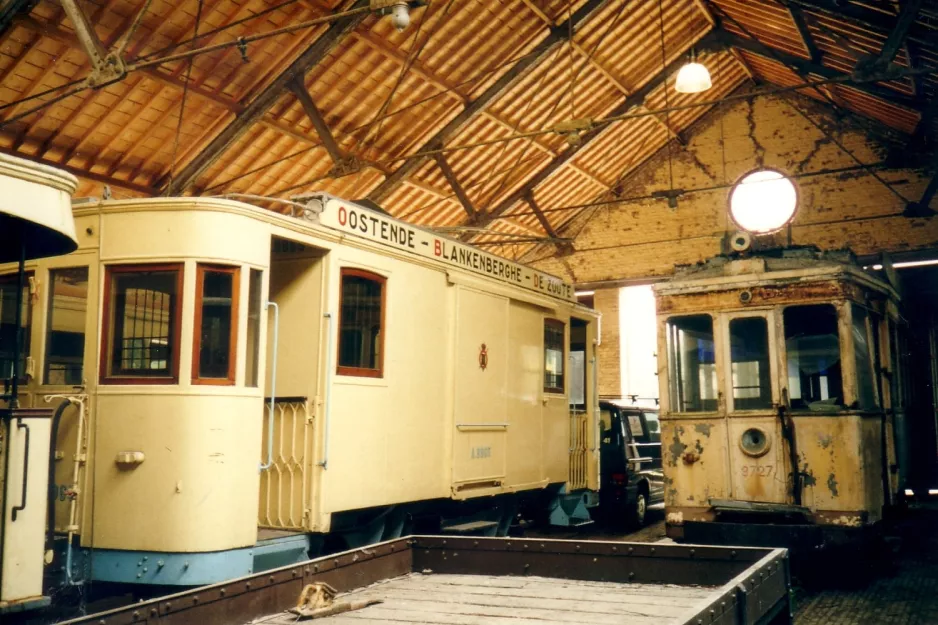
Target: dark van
point(631, 478)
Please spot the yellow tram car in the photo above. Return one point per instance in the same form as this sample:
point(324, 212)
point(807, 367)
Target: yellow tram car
point(244, 386)
point(778, 376)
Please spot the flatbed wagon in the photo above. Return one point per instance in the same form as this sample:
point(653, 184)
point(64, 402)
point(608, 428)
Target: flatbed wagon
point(468, 581)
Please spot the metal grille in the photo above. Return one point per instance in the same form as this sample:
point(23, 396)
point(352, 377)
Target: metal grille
point(579, 434)
point(144, 321)
point(284, 493)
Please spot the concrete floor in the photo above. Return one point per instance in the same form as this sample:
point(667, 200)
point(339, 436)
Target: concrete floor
point(899, 588)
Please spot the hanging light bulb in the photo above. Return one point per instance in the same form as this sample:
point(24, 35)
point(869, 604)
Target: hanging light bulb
point(400, 16)
point(693, 77)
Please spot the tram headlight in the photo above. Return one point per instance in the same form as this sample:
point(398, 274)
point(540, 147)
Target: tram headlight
point(755, 442)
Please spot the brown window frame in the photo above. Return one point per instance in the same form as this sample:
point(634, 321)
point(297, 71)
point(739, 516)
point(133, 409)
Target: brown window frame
point(235, 272)
point(556, 323)
point(363, 372)
point(176, 337)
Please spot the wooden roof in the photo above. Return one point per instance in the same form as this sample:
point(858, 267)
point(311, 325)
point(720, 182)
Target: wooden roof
point(430, 122)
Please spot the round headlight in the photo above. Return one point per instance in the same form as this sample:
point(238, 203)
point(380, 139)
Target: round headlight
point(755, 442)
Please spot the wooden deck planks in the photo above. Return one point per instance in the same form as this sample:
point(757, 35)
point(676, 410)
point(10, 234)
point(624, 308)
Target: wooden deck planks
point(496, 600)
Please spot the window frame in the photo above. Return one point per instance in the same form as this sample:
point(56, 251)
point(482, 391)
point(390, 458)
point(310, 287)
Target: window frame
point(772, 355)
point(175, 337)
point(47, 329)
point(556, 323)
point(717, 336)
point(235, 272)
point(27, 345)
point(785, 357)
point(362, 372)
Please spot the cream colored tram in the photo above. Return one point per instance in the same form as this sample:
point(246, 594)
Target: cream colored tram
point(245, 386)
point(777, 375)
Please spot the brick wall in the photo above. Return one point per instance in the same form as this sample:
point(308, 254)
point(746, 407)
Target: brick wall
point(606, 301)
point(645, 238)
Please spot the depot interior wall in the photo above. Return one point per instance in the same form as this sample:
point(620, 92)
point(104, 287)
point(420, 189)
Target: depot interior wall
point(645, 238)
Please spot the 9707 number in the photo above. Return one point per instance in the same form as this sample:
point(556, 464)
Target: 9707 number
point(757, 470)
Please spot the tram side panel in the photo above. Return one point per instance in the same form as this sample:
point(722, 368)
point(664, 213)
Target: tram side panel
point(383, 436)
point(169, 451)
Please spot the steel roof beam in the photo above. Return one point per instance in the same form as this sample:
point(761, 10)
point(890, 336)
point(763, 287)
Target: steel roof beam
point(253, 112)
point(539, 214)
point(509, 79)
point(805, 67)
point(896, 39)
point(450, 176)
point(859, 15)
point(798, 18)
point(709, 42)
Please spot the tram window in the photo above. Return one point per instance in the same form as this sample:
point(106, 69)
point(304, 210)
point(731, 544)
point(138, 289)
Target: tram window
point(813, 348)
point(361, 321)
point(65, 330)
point(692, 364)
point(866, 394)
point(141, 328)
point(8, 325)
point(216, 321)
point(749, 356)
point(553, 356)
point(254, 327)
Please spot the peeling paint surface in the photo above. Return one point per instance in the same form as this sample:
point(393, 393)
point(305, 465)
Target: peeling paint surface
point(702, 428)
point(832, 484)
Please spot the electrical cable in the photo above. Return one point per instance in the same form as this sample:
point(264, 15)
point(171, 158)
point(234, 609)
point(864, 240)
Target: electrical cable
point(820, 92)
point(182, 104)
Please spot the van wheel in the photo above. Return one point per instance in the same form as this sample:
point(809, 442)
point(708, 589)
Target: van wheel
point(638, 508)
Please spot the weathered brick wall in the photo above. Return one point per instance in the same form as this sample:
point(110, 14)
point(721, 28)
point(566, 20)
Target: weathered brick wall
point(606, 301)
point(645, 238)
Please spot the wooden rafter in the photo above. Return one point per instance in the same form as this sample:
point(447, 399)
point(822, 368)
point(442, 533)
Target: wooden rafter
point(319, 50)
point(506, 81)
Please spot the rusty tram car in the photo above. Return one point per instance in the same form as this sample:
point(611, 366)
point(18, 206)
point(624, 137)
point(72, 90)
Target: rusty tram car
point(782, 399)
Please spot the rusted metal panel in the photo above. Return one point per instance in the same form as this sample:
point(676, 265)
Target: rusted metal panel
point(774, 295)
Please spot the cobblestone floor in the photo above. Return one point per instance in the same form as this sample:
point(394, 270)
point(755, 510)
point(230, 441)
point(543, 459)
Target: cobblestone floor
point(903, 589)
point(900, 589)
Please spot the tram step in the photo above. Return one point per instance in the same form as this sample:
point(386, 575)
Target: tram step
point(575, 522)
point(472, 526)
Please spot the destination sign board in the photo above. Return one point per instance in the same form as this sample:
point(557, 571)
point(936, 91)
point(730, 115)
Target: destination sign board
point(367, 224)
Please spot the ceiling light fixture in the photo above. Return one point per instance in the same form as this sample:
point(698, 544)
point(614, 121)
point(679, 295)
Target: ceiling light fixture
point(400, 16)
point(693, 77)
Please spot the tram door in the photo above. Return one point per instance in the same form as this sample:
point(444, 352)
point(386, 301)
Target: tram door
point(295, 286)
point(757, 461)
point(481, 394)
